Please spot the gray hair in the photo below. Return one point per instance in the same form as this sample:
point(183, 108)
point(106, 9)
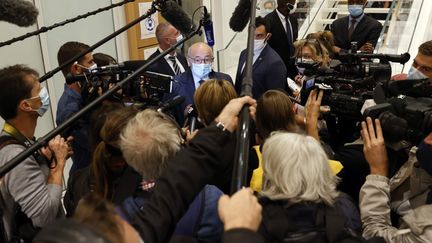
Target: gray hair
point(148, 141)
point(301, 175)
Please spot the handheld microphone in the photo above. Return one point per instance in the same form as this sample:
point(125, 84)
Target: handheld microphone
point(171, 103)
point(191, 117)
point(177, 17)
point(240, 16)
point(208, 27)
point(19, 12)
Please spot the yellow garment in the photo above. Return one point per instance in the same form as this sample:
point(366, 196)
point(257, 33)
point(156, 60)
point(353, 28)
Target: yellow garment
point(257, 176)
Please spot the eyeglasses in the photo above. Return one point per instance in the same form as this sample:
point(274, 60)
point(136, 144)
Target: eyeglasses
point(424, 69)
point(198, 60)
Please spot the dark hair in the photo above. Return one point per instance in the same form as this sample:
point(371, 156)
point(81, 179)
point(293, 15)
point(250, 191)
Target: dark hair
point(108, 152)
point(426, 48)
point(100, 216)
point(274, 113)
point(15, 87)
point(67, 51)
point(259, 21)
point(102, 59)
point(326, 38)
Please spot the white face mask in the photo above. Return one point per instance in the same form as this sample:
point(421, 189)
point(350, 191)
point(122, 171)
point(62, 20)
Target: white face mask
point(202, 71)
point(89, 69)
point(259, 45)
point(414, 73)
point(291, 8)
point(178, 39)
point(305, 60)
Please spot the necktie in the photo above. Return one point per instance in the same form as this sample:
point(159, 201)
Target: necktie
point(289, 35)
point(351, 28)
point(175, 65)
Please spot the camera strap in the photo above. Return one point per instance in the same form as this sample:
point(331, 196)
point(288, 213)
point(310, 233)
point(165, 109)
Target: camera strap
point(8, 128)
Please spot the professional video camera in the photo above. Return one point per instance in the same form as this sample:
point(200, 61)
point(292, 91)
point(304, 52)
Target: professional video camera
point(148, 89)
point(404, 109)
point(347, 85)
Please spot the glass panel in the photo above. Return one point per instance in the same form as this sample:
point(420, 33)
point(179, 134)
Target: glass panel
point(399, 29)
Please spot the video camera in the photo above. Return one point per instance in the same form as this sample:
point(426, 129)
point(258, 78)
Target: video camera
point(148, 89)
point(404, 109)
point(348, 84)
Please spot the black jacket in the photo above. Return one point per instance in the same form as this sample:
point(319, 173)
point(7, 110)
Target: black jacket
point(368, 30)
point(162, 66)
point(279, 40)
point(269, 72)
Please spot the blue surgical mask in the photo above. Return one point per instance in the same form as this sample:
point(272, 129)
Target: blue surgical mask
point(414, 73)
point(355, 10)
point(44, 96)
point(259, 46)
point(202, 71)
point(268, 11)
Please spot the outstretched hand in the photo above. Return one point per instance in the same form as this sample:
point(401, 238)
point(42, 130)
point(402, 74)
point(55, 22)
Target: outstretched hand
point(229, 115)
point(374, 147)
point(312, 111)
point(241, 210)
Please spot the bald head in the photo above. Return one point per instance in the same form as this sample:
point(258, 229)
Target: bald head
point(200, 49)
point(166, 35)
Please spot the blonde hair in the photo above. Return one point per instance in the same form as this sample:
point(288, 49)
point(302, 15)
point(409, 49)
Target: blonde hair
point(211, 97)
point(319, 51)
point(303, 175)
point(149, 140)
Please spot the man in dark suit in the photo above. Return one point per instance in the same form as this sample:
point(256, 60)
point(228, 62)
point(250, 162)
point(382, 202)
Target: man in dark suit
point(200, 56)
point(175, 63)
point(357, 27)
point(284, 29)
point(269, 71)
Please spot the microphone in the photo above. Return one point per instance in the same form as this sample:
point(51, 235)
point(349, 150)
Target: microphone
point(171, 103)
point(191, 117)
point(177, 17)
point(208, 27)
point(240, 16)
point(19, 12)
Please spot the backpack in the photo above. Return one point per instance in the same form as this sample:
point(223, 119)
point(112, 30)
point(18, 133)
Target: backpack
point(328, 225)
point(23, 229)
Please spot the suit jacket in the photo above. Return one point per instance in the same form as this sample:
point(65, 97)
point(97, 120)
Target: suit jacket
point(367, 30)
point(185, 86)
point(162, 66)
point(269, 72)
point(279, 40)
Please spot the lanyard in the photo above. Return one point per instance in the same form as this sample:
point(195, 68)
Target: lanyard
point(16, 134)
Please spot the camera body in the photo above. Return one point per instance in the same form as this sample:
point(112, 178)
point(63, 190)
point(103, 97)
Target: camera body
point(406, 112)
point(347, 85)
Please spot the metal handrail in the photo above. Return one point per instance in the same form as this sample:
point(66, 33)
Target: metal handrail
point(226, 47)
